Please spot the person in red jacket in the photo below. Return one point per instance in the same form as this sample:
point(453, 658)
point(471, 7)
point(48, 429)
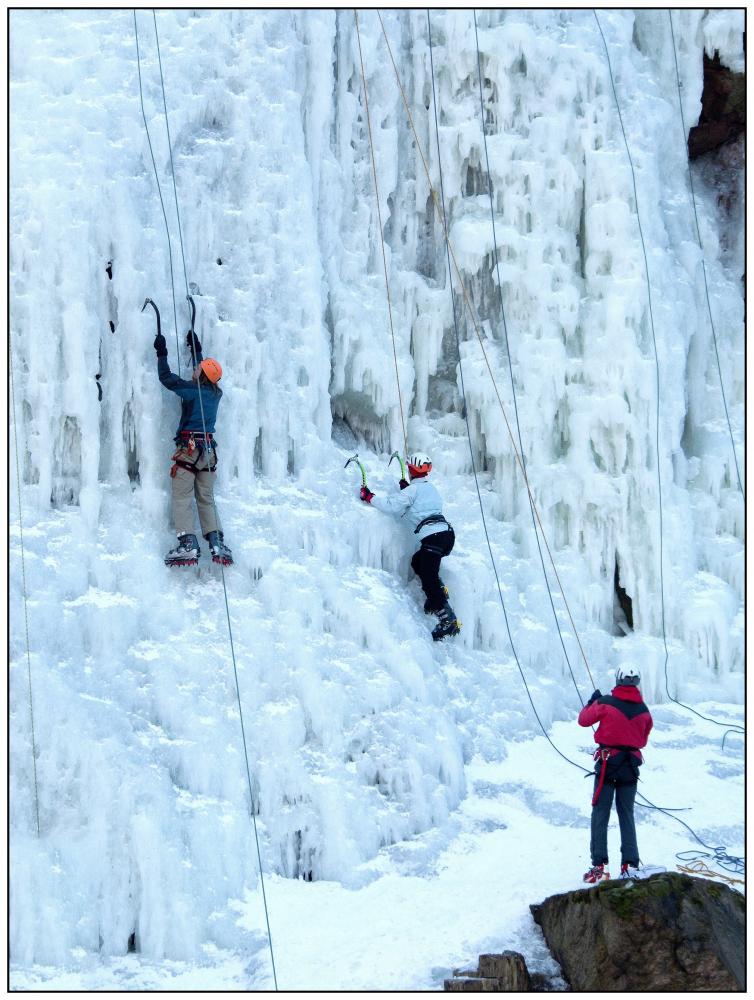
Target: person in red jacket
point(623, 726)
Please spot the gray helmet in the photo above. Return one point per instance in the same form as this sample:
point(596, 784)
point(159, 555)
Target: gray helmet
point(628, 675)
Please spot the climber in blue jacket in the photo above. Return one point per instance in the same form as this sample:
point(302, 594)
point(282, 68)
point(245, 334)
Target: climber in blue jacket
point(195, 460)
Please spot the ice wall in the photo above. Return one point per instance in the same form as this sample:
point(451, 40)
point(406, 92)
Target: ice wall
point(358, 728)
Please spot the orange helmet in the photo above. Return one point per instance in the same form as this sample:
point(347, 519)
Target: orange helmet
point(211, 369)
point(419, 465)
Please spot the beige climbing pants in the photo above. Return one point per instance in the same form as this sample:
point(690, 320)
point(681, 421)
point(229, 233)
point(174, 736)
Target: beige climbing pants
point(199, 485)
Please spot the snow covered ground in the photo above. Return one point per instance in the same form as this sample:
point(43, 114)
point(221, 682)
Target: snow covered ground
point(409, 807)
point(433, 903)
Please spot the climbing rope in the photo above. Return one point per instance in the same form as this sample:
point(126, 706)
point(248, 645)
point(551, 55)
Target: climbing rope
point(159, 187)
point(382, 237)
point(701, 247)
point(23, 585)
point(508, 354)
point(172, 172)
point(468, 426)
point(697, 866)
point(222, 569)
point(733, 727)
point(477, 328)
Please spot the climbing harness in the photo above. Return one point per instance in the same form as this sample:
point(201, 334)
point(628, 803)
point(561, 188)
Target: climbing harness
point(214, 502)
point(355, 458)
point(603, 756)
point(510, 363)
point(704, 268)
point(432, 519)
point(24, 591)
point(732, 727)
point(382, 237)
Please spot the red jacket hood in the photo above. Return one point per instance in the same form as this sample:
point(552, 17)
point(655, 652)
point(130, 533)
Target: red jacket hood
point(627, 692)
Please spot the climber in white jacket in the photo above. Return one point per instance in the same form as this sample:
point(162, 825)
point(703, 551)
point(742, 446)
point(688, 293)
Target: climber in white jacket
point(419, 505)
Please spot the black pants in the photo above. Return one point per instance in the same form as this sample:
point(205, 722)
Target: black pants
point(426, 564)
point(620, 784)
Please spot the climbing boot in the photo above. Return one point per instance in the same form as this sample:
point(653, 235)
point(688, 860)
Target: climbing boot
point(218, 549)
point(186, 553)
point(597, 873)
point(433, 611)
point(629, 871)
point(447, 625)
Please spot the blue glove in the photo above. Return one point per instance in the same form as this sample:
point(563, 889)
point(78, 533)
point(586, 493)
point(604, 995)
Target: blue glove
point(597, 694)
point(160, 346)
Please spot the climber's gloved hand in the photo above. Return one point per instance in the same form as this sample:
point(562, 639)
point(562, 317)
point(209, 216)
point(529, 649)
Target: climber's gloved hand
point(597, 694)
point(161, 348)
point(403, 483)
point(197, 347)
point(365, 494)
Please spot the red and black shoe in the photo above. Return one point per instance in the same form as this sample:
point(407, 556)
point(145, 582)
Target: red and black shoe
point(597, 873)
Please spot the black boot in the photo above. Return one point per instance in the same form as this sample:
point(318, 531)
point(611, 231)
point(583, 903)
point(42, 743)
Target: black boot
point(448, 624)
point(433, 611)
point(186, 553)
point(218, 549)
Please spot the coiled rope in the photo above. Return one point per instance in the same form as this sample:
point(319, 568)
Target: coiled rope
point(382, 237)
point(731, 726)
point(222, 568)
point(23, 584)
point(701, 247)
point(508, 354)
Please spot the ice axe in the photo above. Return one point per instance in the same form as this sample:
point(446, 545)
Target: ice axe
point(192, 334)
point(355, 458)
point(148, 302)
point(403, 465)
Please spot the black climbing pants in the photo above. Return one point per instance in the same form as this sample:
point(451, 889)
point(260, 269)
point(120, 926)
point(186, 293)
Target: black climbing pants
point(624, 801)
point(425, 562)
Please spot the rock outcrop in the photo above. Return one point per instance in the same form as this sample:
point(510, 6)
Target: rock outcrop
point(505, 972)
point(723, 116)
point(670, 932)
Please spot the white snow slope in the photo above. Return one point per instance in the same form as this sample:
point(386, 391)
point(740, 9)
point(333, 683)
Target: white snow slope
point(409, 807)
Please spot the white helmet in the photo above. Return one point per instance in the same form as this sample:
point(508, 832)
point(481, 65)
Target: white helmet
point(419, 464)
point(628, 675)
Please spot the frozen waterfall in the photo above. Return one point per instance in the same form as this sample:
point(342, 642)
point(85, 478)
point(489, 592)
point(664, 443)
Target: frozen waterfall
point(360, 732)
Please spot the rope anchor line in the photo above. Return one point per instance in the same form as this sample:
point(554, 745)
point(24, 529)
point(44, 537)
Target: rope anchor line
point(382, 235)
point(214, 501)
point(704, 267)
point(477, 328)
point(732, 727)
point(510, 364)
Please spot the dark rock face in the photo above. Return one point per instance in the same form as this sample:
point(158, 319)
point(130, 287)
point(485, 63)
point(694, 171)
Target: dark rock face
point(503, 973)
point(669, 933)
point(723, 116)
